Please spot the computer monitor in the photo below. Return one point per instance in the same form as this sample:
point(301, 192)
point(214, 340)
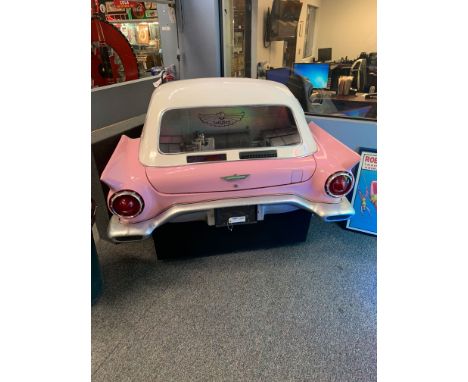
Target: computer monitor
point(316, 74)
point(279, 75)
point(324, 54)
point(282, 22)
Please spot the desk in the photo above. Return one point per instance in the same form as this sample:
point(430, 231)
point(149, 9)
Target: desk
point(344, 105)
point(355, 106)
point(359, 97)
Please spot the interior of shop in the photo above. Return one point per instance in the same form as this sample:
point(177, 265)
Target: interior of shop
point(291, 297)
point(324, 43)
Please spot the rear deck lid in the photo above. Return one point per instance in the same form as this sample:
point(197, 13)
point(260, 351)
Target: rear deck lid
point(230, 176)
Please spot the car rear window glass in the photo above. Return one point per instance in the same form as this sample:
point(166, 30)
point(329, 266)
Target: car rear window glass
point(224, 128)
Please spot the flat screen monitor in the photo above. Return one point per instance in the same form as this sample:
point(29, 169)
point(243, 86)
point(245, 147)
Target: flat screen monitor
point(316, 74)
point(283, 19)
point(324, 54)
point(279, 75)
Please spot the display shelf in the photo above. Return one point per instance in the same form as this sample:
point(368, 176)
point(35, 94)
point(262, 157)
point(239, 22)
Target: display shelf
point(133, 21)
point(144, 46)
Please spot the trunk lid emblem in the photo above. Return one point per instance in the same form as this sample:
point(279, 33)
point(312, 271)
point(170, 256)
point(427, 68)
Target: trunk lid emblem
point(231, 178)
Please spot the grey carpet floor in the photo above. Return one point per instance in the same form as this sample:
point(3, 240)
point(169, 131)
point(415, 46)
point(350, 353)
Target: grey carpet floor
point(302, 312)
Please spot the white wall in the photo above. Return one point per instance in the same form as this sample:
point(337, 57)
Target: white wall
point(349, 27)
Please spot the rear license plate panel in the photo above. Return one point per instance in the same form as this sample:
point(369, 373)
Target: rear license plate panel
point(235, 215)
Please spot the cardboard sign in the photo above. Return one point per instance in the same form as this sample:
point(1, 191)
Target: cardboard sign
point(364, 198)
point(143, 34)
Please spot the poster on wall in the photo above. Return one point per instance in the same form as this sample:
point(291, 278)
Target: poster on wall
point(364, 198)
point(143, 34)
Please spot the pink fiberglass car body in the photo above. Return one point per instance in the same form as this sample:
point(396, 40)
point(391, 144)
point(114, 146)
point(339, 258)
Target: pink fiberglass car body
point(227, 151)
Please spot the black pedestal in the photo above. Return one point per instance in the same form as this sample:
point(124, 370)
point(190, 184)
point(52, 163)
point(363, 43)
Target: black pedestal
point(176, 240)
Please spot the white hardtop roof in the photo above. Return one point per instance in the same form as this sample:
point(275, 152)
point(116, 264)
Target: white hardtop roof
point(221, 91)
point(212, 92)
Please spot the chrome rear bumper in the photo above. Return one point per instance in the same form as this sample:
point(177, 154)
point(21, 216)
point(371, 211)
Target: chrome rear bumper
point(120, 232)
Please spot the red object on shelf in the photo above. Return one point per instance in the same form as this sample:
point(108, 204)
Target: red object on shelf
point(138, 11)
point(104, 70)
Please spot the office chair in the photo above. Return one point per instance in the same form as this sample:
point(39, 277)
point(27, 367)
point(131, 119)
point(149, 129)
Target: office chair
point(301, 89)
point(359, 72)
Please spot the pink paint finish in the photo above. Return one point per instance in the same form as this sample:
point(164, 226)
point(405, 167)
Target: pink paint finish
point(193, 183)
point(125, 172)
point(331, 150)
point(207, 177)
point(331, 156)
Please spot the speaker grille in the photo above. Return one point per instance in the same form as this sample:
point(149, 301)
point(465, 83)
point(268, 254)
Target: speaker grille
point(258, 154)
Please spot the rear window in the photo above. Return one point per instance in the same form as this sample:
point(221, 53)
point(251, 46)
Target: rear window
point(224, 128)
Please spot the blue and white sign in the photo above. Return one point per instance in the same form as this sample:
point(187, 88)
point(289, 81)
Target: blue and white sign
point(364, 198)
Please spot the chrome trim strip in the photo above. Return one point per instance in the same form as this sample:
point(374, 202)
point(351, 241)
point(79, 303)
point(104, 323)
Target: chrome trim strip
point(117, 229)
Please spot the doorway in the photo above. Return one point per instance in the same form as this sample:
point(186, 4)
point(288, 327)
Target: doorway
point(237, 32)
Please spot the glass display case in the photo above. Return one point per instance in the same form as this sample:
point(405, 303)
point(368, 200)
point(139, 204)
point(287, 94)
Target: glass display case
point(237, 20)
point(138, 22)
point(126, 40)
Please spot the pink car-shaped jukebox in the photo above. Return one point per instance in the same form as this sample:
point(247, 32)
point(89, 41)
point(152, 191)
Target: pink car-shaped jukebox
point(226, 151)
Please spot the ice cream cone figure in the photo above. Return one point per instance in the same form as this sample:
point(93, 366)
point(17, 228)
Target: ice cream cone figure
point(373, 193)
point(363, 198)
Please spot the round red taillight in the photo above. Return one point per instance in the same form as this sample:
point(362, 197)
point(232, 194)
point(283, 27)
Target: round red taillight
point(339, 184)
point(126, 203)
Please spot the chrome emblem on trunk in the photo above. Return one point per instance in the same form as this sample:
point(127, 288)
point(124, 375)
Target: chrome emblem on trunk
point(230, 178)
